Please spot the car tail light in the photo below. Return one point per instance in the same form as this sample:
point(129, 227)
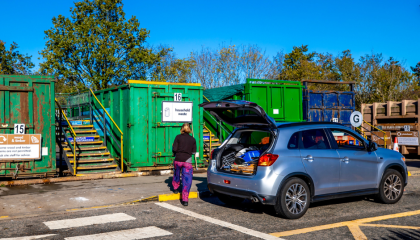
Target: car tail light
point(211, 154)
point(267, 159)
point(226, 181)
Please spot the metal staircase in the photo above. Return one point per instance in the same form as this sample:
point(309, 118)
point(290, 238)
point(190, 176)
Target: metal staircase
point(210, 143)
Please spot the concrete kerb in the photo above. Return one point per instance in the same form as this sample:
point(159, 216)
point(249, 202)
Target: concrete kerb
point(83, 177)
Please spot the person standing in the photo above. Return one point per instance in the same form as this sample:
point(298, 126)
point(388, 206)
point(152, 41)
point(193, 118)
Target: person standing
point(184, 147)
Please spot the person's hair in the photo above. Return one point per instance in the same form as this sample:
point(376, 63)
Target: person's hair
point(185, 128)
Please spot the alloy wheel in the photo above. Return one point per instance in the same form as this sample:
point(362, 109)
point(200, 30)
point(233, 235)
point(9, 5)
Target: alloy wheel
point(296, 198)
point(392, 187)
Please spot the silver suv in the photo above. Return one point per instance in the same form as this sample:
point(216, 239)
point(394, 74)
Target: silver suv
point(290, 165)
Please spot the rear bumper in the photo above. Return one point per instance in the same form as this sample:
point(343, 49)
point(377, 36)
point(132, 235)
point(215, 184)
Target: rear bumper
point(269, 200)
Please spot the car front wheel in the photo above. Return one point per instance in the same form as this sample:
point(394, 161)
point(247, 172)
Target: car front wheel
point(293, 199)
point(391, 188)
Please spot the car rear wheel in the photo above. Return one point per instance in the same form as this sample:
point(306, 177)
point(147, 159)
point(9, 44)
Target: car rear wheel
point(293, 199)
point(229, 200)
point(391, 188)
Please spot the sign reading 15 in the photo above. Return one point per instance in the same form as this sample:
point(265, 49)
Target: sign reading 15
point(19, 128)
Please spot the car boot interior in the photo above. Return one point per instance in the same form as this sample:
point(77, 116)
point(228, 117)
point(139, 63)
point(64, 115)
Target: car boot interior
point(242, 151)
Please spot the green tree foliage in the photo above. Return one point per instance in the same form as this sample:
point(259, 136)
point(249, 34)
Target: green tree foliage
point(416, 71)
point(97, 47)
point(170, 68)
point(13, 62)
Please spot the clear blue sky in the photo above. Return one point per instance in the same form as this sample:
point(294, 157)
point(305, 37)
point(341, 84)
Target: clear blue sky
point(388, 27)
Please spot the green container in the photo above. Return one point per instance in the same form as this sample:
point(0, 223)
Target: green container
point(29, 100)
point(137, 109)
point(281, 100)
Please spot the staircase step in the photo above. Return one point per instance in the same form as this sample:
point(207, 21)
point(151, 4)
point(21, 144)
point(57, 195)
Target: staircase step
point(205, 130)
point(97, 167)
point(213, 140)
point(86, 143)
point(82, 126)
point(101, 160)
point(82, 131)
point(216, 145)
point(86, 148)
point(88, 154)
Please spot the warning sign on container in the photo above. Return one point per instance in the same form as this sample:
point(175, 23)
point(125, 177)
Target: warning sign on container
point(14, 146)
point(408, 138)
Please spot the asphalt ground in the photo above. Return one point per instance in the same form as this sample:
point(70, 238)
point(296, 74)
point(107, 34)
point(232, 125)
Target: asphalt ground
point(208, 218)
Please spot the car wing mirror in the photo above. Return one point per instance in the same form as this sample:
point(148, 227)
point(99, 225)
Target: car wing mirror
point(372, 146)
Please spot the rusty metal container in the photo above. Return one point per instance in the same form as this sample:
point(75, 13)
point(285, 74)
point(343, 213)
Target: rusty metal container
point(28, 101)
point(401, 119)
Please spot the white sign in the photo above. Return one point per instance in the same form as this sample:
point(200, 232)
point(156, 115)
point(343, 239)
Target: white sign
point(15, 146)
point(177, 111)
point(413, 141)
point(177, 97)
point(356, 119)
point(275, 111)
point(406, 128)
point(335, 120)
point(19, 128)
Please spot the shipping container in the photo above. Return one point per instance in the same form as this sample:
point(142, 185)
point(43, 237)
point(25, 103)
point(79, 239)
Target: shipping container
point(140, 110)
point(281, 100)
point(328, 105)
point(26, 111)
point(401, 119)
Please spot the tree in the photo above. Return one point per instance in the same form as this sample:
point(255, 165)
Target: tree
point(13, 62)
point(170, 68)
point(416, 71)
point(97, 47)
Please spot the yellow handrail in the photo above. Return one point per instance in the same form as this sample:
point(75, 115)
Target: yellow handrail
point(206, 98)
point(74, 138)
point(122, 140)
point(378, 130)
point(209, 153)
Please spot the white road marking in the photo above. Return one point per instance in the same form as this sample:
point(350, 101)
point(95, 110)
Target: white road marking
point(220, 223)
point(79, 222)
point(130, 234)
point(29, 238)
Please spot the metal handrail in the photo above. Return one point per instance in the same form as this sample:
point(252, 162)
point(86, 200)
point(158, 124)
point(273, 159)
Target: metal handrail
point(122, 139)
point(208, 154)
point(378, 130)
point(74, 138)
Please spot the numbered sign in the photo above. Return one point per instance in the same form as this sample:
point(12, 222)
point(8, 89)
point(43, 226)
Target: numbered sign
point(406, 128)
point(19, 128)
point(356, 119)
point(177, 97)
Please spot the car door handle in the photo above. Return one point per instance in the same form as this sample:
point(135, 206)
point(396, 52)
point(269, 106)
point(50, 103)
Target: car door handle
point(308, 158)
point(346, 160)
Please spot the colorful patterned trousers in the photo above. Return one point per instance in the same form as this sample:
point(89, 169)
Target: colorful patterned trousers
point(187, 175)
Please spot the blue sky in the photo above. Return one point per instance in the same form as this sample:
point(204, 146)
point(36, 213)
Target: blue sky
point(388, 27)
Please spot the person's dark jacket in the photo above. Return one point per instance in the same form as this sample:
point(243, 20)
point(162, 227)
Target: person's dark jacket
point(184, 146)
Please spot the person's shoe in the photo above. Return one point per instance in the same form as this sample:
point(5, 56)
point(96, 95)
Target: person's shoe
point(176, 191)
point(184, 203)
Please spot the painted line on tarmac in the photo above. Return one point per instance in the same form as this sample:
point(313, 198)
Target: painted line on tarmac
point(175, 196)
point(4, 216)
point(219, 222)
point(357, 233)
point(86, 221)
point(29, 237)
point(137, 233)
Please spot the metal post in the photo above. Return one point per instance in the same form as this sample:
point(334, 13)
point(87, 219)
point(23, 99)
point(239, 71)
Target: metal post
point(122, 153)
point(104, 116)
point(90, 108)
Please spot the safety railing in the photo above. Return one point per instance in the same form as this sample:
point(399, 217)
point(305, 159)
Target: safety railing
point(110, 132)
point(210, 140)
point(65, 136)
point(220, 126)
point(364, 135)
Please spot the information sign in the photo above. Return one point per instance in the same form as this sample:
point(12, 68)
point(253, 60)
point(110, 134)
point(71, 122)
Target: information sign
point(378, 137)
point(20, 146)
point(408, 138)
point(82, 139)
point(356, 119)
point(177, 111)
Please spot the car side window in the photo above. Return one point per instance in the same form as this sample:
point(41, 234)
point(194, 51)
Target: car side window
point(347, 140)
point(314, 139)
point(294, 141)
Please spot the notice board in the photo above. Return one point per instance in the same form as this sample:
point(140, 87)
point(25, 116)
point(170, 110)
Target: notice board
point(180, 112)
point(16, 146)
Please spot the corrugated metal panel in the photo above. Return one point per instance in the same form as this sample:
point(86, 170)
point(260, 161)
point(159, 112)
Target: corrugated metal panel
point(29, 100)
point(320, 106)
